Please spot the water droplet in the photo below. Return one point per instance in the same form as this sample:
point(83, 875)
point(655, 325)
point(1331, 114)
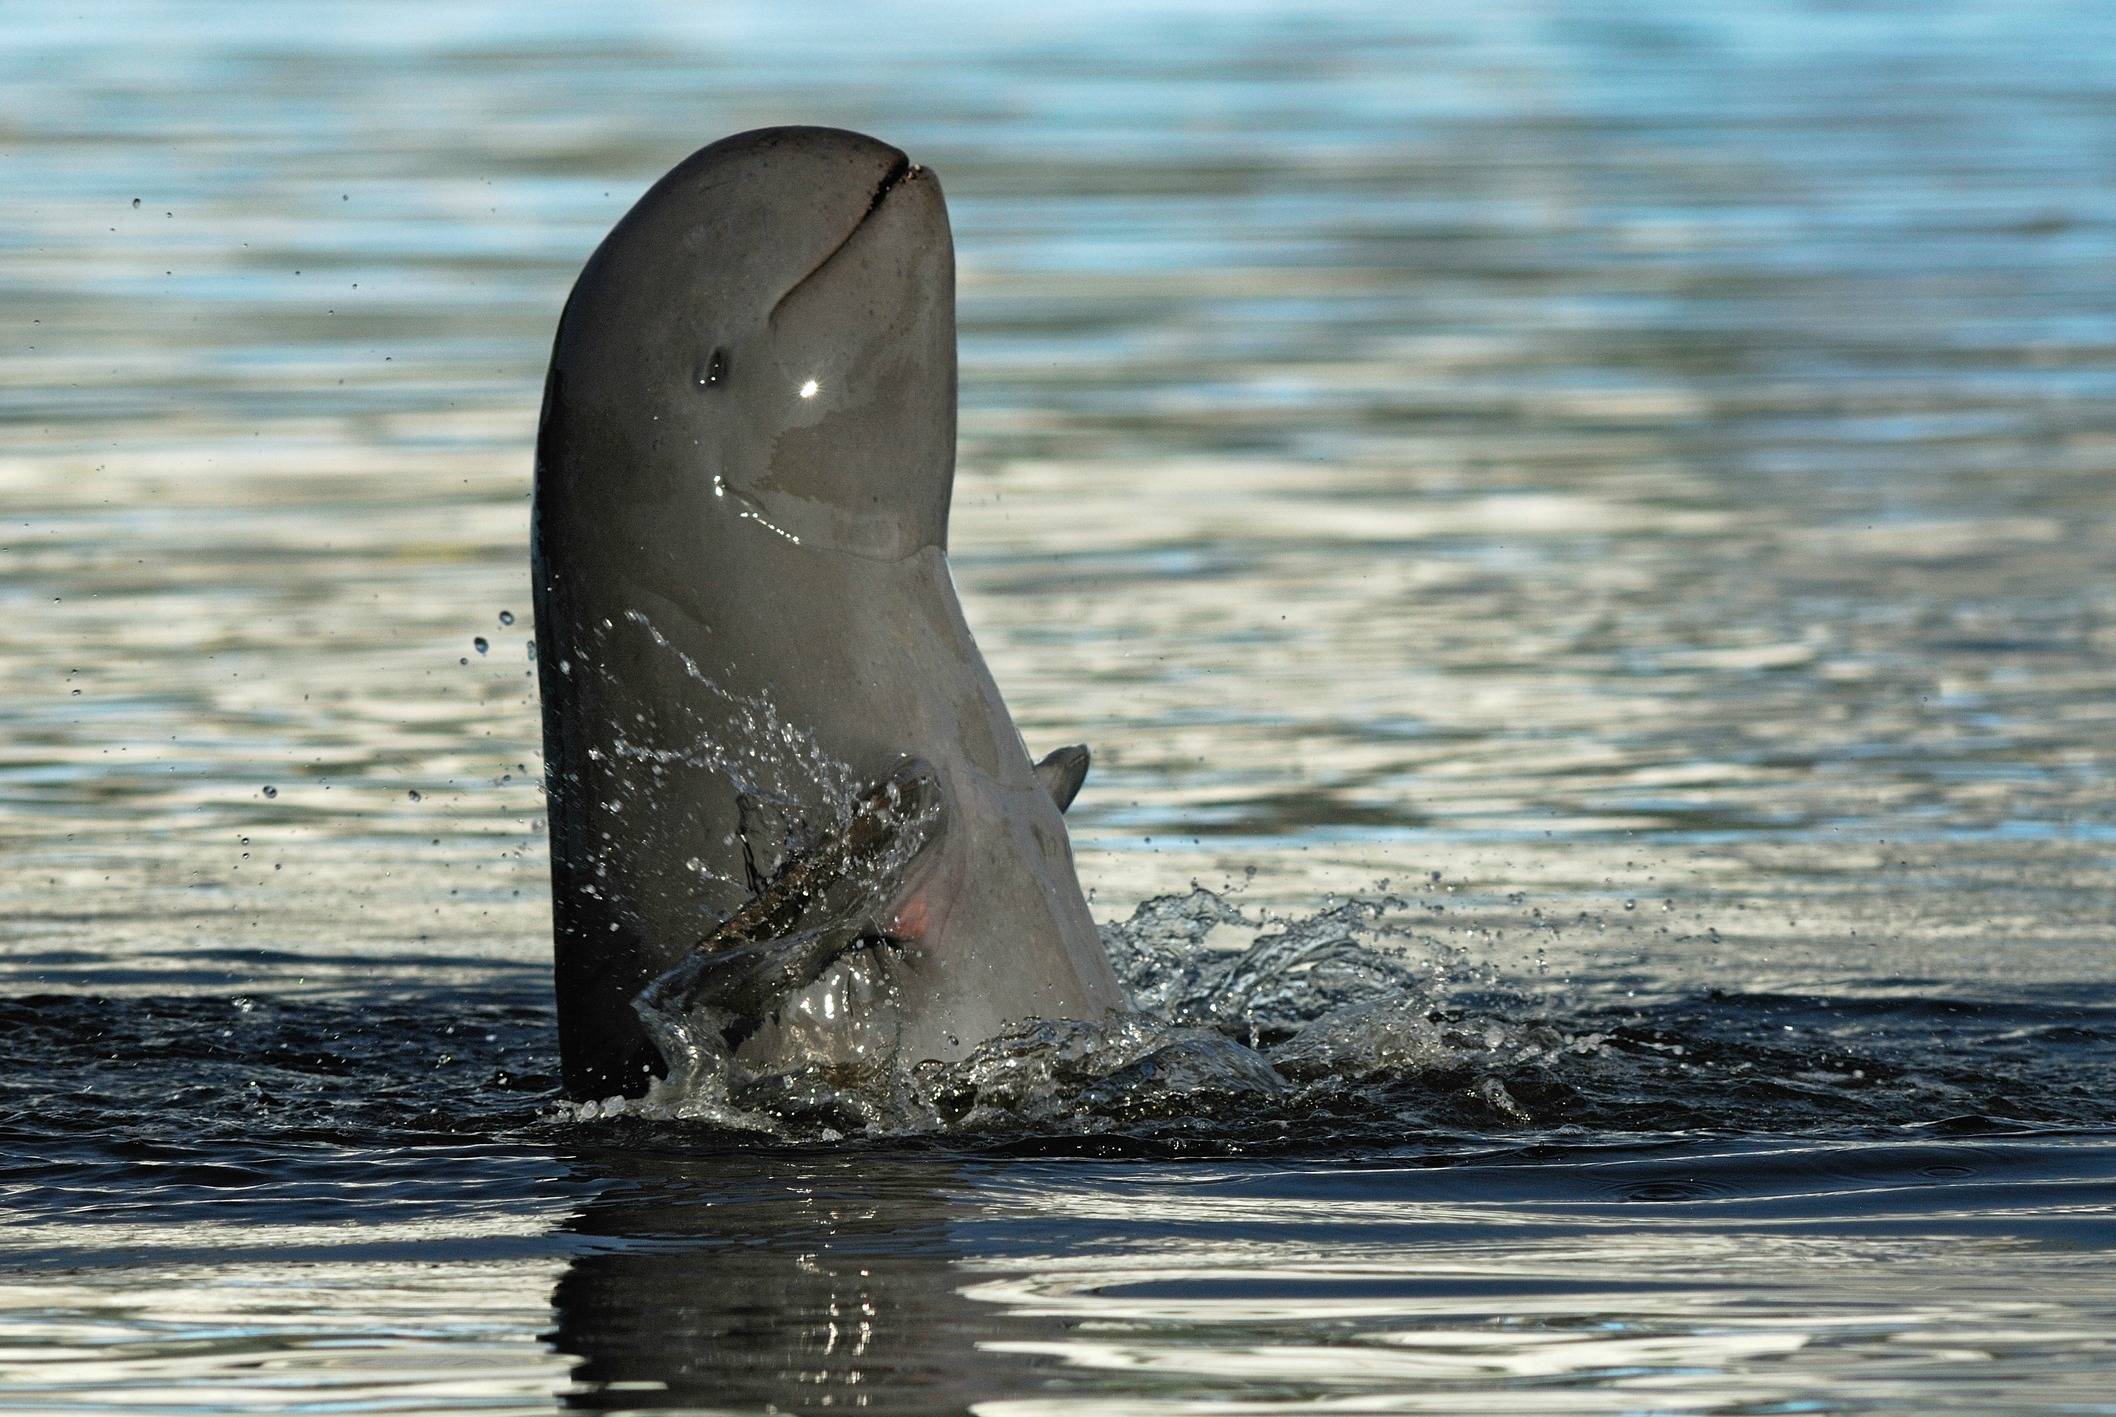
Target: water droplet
point(271, 792)
point(532, 650)
point(479, 644)
point(414, 795)
point(714, 370)
point(135, 201)
point(506, 617)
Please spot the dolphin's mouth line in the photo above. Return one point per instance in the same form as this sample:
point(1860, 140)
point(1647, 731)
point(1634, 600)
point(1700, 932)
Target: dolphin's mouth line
point(902, 169)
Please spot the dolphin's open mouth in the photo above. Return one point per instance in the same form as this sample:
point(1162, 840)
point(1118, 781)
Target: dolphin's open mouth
point(899, 171)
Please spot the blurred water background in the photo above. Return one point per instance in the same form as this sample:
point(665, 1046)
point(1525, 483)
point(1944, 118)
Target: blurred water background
point(1631, 480)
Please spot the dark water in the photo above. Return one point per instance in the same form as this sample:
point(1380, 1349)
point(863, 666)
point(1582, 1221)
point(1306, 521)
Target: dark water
point(1594, 522)
point(268, 1203)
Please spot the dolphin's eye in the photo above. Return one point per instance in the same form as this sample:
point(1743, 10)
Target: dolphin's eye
point(714, 370)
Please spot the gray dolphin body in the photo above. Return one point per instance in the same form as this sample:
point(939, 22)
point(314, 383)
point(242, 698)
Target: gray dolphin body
point(745, 614)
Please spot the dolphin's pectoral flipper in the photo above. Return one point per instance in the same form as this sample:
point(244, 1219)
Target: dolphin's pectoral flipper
point(1061, 772)
point(743, 981)
point(817, 907)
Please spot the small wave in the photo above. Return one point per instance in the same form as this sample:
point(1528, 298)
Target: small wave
point(1346, 1027)
point(1340, 1033)
point(1214, 1036)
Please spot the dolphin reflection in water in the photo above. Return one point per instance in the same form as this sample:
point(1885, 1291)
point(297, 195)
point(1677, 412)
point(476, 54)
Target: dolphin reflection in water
point(799, 1282)
point(792, 824)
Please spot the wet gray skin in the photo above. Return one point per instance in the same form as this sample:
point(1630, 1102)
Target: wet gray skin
point(742, 590)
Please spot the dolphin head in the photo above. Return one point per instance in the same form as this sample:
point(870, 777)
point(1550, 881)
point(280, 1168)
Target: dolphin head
point(785, 301)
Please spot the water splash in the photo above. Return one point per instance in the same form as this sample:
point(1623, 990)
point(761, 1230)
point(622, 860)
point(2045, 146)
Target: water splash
point(1293, 974)
point(787, 787)
point(1218, 1038)
point(768, 758)
point(1350, 1027)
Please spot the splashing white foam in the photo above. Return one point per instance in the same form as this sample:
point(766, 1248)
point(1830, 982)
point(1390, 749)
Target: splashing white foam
point(1309, 1008)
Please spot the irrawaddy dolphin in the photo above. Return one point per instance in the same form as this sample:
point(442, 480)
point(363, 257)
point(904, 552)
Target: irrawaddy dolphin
point(782, 782)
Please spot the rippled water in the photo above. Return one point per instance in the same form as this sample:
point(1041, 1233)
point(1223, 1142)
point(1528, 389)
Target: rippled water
point(1619, 494)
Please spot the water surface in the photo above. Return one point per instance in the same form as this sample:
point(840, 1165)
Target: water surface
point(1632, 483)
